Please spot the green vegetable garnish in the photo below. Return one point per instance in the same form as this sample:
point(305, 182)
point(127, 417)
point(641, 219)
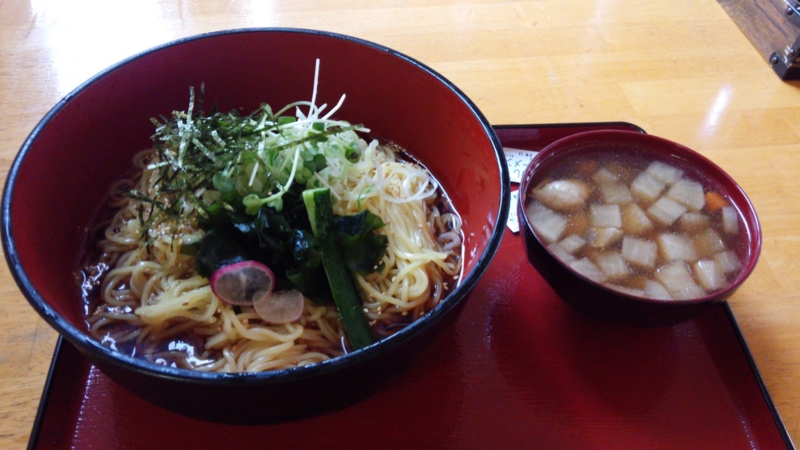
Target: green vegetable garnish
point(222, 157)
point(320, 213)
point(242, 179)
point(362, 248)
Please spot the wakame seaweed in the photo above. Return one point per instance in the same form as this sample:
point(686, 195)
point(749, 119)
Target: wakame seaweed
point(240, 179)
point(284, 242)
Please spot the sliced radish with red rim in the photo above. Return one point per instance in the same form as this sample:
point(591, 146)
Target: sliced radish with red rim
point(238, 283)
point(279, 307)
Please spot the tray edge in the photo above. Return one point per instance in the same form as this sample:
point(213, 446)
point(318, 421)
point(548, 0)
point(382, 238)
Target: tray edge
point(48, 385)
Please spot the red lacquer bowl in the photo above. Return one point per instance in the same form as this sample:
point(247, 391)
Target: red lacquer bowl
point(86, 141)
point(612, 305)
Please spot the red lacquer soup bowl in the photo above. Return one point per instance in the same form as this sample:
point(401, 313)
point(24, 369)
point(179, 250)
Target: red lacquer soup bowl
point(630, 228)
point(86, 142)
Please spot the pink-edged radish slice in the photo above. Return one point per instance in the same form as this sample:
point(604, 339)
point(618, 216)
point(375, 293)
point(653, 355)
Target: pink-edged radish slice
point(238, 283)
point(279, 307)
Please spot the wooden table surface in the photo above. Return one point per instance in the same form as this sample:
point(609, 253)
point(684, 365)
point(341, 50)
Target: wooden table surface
point(681, 70)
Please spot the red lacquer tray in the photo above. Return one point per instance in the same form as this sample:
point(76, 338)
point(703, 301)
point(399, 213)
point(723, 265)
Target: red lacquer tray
point(521, 369)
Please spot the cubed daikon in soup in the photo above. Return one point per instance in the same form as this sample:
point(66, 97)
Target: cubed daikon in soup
point(639, 226)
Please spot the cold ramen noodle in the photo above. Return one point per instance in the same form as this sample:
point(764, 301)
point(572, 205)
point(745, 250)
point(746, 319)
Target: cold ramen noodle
point(267, 241)
point(645, 228)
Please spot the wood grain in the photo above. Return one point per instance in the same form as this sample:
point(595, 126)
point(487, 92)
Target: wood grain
point(765, 23)
point(681, 70)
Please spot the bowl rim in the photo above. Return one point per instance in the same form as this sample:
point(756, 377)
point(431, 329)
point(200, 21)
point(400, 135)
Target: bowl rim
point(569, 143)
point(87, 344)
